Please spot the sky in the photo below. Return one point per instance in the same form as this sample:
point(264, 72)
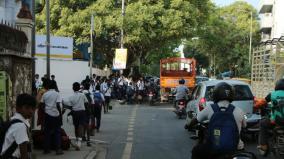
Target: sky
point(227, 2)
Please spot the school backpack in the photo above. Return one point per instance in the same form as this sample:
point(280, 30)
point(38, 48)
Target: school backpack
point(223, 133)
point(90, 102)
point(98, 99)
point(4, 127)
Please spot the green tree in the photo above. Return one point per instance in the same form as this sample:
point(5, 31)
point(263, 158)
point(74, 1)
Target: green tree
point(149, 24)
point(225, 38)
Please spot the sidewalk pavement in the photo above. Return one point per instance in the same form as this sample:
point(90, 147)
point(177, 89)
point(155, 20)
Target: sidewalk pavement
point(84, 153)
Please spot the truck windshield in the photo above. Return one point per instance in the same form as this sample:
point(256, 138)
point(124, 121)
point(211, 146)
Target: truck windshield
point(176, 69)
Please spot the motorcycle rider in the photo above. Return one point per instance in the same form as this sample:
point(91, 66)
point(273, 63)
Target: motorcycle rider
point(223, 95)
point(276, 117)
point(181, 91)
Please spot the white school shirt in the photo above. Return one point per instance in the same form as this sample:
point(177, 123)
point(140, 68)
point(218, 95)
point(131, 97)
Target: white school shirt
point(140, 85)
point(107, 91)
point(77, 101)
point(18, 133)
point(120, 81)
point(50, 99)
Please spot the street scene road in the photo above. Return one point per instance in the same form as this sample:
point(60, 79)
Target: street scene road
point(141, 79)
point(142, 131)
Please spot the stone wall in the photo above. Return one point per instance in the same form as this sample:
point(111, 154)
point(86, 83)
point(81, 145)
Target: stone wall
point(16, 61)
point(19, 71)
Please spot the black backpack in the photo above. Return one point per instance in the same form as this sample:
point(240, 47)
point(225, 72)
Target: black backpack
point(90, 101)
point(4, 127)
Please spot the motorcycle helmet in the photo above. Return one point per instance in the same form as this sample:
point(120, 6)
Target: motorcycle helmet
point(279, 85)
point(182, 81)
point(223, 91)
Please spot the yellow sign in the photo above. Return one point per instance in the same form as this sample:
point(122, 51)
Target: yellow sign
point(120, 59)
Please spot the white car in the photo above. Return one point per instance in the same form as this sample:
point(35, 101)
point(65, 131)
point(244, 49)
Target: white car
point(244, 99)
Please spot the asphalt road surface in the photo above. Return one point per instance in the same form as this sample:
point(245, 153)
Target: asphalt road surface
point(144, 132)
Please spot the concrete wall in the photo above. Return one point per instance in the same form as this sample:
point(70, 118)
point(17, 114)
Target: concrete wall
point(67, 72)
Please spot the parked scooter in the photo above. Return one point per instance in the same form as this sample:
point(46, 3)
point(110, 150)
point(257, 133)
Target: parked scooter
point(180, 108)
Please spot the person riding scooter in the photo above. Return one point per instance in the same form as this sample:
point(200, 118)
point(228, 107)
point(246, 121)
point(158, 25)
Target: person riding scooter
point(181, 92)
point(276, 117)
point(225, 123)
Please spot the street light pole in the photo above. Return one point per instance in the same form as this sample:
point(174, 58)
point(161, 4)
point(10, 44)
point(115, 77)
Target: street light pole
point(47, 39)
point(92, 46)
point(250, 43)
point(123, 14)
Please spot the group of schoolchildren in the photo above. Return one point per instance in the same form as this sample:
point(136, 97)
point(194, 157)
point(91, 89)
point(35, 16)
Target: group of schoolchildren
point(85, 108)
point(132, 89)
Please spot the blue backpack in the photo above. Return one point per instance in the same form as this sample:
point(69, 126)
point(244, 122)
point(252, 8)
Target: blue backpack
point(98, 99)
point(223, 132)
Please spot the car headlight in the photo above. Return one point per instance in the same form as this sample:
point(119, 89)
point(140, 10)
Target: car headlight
point(246, 117)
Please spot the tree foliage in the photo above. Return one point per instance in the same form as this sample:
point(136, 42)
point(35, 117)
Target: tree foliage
point(148, 24)
point(226, 37)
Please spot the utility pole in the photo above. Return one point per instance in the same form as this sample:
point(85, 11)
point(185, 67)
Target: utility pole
point(92, 46)
point(123, 14)
point(47, 39)
point(33, 39)
point(250, 43)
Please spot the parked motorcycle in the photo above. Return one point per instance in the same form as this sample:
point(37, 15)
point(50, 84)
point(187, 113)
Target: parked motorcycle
point(180, 108)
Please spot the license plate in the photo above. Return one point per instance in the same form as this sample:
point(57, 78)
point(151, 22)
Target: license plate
point(151, 95)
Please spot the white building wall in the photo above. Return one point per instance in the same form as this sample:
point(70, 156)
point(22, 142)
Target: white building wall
point(67, 72)
point(278, 26)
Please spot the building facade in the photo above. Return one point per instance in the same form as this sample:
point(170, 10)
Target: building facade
point(271, 23)
point(15, 53)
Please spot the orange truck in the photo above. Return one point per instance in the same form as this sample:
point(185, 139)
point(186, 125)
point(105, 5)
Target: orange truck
point(174, 69)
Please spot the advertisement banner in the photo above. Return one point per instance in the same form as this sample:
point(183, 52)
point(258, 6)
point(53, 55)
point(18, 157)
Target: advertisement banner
point(120, 59)
point(60, 47)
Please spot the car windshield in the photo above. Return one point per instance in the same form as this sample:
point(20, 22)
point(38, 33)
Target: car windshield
point(242, 92)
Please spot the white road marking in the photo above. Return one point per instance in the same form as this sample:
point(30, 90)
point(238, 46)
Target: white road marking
point(127, 151)
point(128, 147)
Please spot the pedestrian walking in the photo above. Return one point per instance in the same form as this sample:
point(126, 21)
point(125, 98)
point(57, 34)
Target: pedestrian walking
point(78, 103)
point(130, 93)
point(50, 103)
point(54, 82)
point(120, 83)
point(107, 94)
point(98, 104)
point(89, 112)
point(16, 141)
point(40, 111)
point(104, 88)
